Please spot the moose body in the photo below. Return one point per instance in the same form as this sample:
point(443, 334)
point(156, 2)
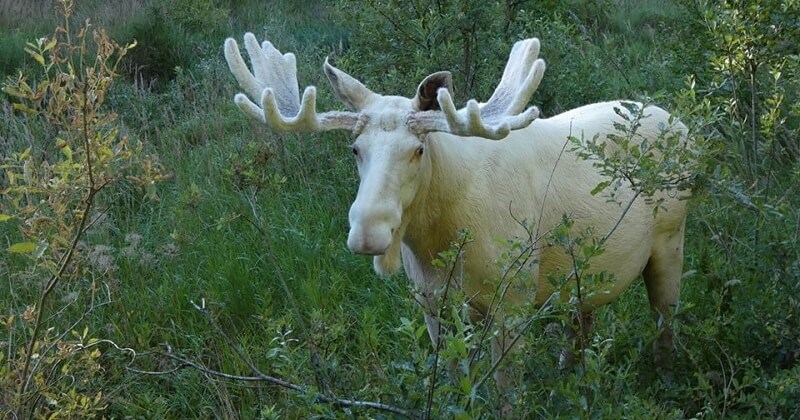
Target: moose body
point(428, 170)
point(490, 187)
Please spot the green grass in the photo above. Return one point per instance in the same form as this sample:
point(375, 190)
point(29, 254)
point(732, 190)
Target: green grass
point(200, 242)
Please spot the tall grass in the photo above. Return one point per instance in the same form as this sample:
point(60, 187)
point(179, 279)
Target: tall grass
point(23, 14)
point(253, 223)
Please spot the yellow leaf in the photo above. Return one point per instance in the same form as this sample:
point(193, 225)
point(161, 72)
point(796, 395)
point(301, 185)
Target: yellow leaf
point(51, 44)
point(4, 217)
point(23, 247)
point(26, 154)
point(36, 56)
point(25, 109)
point(14, 91)
point(64, 146)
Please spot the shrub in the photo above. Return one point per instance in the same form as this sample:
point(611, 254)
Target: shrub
point(162, 48)
point(75, 150)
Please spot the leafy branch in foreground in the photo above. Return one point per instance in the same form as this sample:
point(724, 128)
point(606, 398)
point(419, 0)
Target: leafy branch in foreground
point(656, 169)
point(50, 190)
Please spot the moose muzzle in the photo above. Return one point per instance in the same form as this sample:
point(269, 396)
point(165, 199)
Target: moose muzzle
point(372, 228)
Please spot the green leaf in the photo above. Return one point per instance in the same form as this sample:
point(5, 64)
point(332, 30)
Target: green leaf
point(600, 187)
point(22, 248)
point(64, 146)
point(4, 217)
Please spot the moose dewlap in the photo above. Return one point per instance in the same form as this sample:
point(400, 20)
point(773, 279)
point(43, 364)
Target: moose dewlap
point(428, 170)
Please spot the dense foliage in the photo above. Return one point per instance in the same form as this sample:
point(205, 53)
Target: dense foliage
point(119, 275)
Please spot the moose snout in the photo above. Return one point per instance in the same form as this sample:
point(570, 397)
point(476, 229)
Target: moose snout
point(368, 243)
point(371, 232)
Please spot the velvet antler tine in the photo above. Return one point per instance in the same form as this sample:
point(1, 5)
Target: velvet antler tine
point(506, 109)
point(527, 88)
point(273, 82)
point(239, 69)
point(248, 107)
point(469, 121)
point(308, 109)
point(258, 59)
point(448, 107)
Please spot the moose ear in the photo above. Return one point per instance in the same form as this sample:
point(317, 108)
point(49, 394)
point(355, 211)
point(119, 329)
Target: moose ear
point(349, 90)
point(429, 88)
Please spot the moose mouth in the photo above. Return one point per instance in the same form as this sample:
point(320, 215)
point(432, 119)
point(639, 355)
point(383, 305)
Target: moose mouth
point(370, 241)
point(372, 254)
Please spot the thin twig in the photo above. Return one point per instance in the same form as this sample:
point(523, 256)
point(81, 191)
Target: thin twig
point(437, 350)
point(242, 356)
point(528, 323)
point(399, 29)
point(258, 376)
point(581, 330)
point(60, 338)
point(506, 350)
point(499, 295)
point(534, 238)
point(54, 280)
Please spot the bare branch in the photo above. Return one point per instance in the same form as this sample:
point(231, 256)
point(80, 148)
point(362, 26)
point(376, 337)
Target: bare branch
point(258, 376)
point(442, 306)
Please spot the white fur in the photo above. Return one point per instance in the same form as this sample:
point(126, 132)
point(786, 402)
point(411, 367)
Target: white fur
point(420, 184)
point(489, 187)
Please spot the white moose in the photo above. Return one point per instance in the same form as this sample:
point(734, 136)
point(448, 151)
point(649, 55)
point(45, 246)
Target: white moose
point(428, 170)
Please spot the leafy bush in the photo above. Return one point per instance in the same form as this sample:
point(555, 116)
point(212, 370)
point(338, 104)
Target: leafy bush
point(162, 48)
point(170, 36)
point(583, 42)
point(248, 205)
point(48, 192)
point(398, 43)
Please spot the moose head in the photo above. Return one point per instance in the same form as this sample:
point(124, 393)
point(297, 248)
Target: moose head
point(390, 132)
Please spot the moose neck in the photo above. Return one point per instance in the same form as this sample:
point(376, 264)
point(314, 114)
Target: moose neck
point(471, 182)
point(430, 224)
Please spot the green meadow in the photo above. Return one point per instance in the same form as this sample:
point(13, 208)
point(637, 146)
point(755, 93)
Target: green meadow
point(218, 245)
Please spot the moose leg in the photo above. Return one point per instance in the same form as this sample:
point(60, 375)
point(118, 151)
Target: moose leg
point(429, 301)
point(425, 293)
point(501, 345)
point(662, 276)
point(578, 334)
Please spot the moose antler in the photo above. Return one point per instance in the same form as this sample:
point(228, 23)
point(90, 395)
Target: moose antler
point(504, 111)
point(274, 83)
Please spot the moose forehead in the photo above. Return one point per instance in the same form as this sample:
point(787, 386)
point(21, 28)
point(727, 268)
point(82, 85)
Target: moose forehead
point(386, 115)
point(379, 121)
